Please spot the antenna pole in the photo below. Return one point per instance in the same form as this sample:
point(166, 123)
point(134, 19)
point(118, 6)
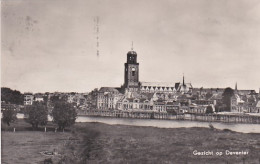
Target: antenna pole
point(97, 34)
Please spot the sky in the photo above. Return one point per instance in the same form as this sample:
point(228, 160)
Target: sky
point(50, 45)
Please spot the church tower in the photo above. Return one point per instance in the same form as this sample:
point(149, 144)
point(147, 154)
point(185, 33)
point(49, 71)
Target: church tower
point(131, 72)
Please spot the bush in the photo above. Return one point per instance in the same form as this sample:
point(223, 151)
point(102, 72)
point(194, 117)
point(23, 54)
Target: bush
point(211, 127)
point(48, 161)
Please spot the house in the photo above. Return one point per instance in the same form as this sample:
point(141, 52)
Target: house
point(38, 98)
point(134, 104)
point(159, 106)
point(28, 98)
point(246, 92)
point(237, 104)
point(5, 106)
point(258, 107)
point(217, 98)
point(204, 102)
point(172, 107)
point(107, 98)
point(198, 109)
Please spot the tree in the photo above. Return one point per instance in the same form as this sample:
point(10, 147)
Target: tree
point(11, 96)
point(226, 98)
point(209, 109)
point(45, 100)
point(55, 99)
point(37, 114)
point(9, 115)
point(63, 114)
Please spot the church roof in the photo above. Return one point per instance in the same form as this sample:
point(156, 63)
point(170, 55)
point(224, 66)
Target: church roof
point(158, 84)
point(179, 85)
point(108, 89)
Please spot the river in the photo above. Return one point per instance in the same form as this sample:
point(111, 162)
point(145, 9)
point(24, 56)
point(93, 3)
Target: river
point(243, 128)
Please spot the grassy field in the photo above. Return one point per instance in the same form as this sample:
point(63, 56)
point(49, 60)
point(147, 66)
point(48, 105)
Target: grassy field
point(101, 143)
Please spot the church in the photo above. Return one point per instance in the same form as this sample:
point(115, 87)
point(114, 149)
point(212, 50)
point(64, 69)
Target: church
point(132, 83)
point(142, 92)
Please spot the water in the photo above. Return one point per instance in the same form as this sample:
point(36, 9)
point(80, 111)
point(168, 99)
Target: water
point(21, 116)
point(243, 128)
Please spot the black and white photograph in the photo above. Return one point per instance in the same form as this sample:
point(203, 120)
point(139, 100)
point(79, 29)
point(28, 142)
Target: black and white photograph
point(130, 81)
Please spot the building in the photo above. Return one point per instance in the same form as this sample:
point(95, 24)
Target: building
point(38, 98)
point(183, 87)
point(131, 82)
point(28, 98)
point(5, 106)
point(157, 87)
point(164, 87)
point(258, 106)
point(107, 98)
point(172, 107)
point(135, 104)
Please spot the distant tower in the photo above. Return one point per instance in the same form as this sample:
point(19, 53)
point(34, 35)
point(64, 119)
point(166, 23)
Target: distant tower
point(183, 82)
point(236, 88)
point(131, 72)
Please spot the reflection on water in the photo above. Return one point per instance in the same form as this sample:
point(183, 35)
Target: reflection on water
point(244, 128)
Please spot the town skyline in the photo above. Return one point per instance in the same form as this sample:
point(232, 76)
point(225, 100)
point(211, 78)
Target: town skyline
point(215, 44)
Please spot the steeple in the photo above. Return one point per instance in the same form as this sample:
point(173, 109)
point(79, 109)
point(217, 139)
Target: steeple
point(183, 80)
point(236, 87)
point(131, 71)
point(132, 48)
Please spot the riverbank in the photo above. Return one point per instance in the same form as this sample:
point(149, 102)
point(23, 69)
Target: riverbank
point(228, 117)
point(102, 143)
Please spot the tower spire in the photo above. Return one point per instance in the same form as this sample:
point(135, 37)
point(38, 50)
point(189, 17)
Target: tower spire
point(236, 87)
point(132, 48)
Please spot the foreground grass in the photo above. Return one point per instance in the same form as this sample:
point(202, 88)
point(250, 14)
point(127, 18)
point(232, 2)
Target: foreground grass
point(101, 143)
